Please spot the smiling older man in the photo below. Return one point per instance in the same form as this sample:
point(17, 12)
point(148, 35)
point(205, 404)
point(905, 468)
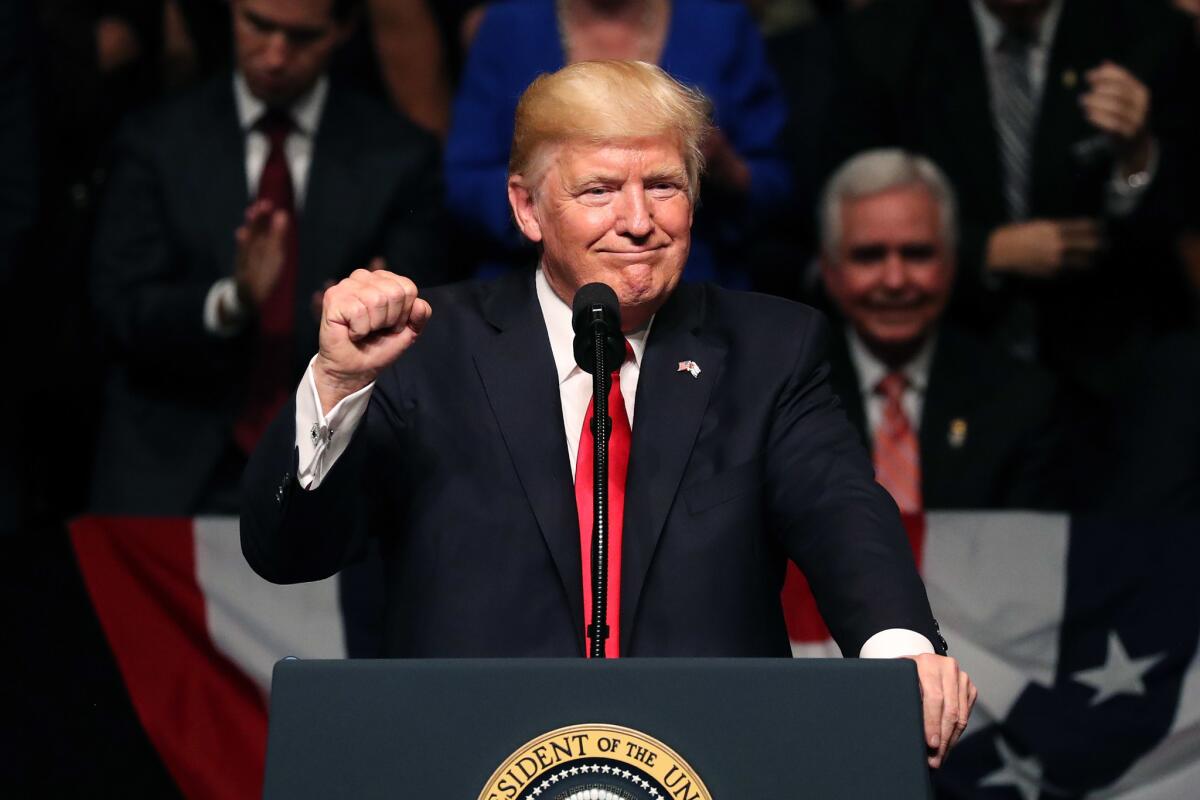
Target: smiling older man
point(458, 450)
point(951, 422)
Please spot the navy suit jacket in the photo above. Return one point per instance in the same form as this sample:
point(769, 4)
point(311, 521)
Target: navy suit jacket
point(176, 195)
point(1007, 454)
point(460, 466)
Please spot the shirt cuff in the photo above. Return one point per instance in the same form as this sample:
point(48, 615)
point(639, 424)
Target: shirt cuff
point(895, 643)
point(322, 438)
point(1123, 194)
point(223, 293)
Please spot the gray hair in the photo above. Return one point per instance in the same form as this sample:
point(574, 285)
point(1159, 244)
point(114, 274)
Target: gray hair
point(877, 171)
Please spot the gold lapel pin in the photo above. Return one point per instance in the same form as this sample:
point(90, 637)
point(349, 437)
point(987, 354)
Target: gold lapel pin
point(1069, 78)
point(957, 436)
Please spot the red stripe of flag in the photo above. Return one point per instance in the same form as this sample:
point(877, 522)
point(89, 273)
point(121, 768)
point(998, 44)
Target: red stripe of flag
point(205, 717)
point(804, 622)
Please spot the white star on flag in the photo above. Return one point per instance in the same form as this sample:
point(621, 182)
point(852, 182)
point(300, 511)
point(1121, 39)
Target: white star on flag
point(1023, 774)
point(1119, 674)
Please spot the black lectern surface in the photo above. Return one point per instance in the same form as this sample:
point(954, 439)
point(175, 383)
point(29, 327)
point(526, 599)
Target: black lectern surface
point(652, 729)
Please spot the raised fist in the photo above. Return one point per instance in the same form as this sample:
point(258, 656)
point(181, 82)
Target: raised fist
point(367, 321)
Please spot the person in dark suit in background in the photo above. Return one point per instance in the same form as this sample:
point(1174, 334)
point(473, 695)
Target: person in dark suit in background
point(456, 450)
point(1155, 469)
point(951, 422)
point(227, 212)
point(1067, 128)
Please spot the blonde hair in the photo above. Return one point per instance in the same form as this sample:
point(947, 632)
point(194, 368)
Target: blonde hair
point(600, 102)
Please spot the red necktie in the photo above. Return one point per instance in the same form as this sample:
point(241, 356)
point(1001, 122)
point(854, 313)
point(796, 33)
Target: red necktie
point(618, 465)
point(897, 457)
point(269, 382)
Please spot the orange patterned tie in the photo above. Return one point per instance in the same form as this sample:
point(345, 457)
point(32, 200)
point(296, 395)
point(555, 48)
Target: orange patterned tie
point(897, 459)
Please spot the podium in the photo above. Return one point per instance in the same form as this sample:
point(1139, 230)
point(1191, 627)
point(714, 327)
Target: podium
point(567, 729)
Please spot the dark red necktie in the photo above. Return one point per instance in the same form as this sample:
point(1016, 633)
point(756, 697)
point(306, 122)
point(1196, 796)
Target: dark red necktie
point(269, 381)
point(618, 465)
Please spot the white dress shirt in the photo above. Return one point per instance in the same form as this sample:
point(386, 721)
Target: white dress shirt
point(298, 148)
point(1122, 196)
point(871, 371)
point(322, 438)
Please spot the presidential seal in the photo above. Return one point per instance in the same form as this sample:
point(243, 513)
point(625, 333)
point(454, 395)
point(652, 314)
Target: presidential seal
point(594, 762)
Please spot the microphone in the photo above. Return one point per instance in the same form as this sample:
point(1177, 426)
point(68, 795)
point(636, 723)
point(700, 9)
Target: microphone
point(599, 347)
point(596, 310)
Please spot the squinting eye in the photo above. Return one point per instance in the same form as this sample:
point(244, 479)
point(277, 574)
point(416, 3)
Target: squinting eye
point(917, 252)
point(867, 255)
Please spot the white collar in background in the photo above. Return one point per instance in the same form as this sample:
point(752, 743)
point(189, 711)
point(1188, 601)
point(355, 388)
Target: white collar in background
point(871, 370)
point(991, 28)
point(305, 110)
point(557, 315)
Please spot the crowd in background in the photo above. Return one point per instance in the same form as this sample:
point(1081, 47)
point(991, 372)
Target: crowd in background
point(1012, 269)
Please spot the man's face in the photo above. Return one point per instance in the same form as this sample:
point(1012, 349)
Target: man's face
point(892, 275)
point(617, 214)
point(283, 46)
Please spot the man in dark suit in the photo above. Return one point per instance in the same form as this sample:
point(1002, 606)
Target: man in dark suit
point(228, 212)
point(952, 423)
point(1067, 128)
point(456, 450)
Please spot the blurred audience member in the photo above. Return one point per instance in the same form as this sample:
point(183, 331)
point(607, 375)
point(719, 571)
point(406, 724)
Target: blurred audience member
point(950, 422)
point(1190, 7)
point(711, 44)
point(1069, 129)
point(18, 212)
point(226, 212)
point(93, 61)
point(411, 60)
point(18, 139)
point(1158, 434)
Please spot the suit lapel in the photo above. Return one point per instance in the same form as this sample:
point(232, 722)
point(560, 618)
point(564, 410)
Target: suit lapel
point(1061, 122)
point(517, 370)
point(219, 150)
point(669, 408)
point(947, 399)
point(958, 84)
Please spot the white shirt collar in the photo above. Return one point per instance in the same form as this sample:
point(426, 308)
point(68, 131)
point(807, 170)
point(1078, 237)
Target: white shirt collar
point(557, 315)
point(305, 110)
point(991, 29)
point(871, 370)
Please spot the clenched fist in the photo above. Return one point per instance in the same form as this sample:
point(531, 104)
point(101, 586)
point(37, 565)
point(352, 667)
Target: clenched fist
point(367, 321)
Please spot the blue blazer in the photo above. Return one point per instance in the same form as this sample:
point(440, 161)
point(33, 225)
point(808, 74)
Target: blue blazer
point(460, 467)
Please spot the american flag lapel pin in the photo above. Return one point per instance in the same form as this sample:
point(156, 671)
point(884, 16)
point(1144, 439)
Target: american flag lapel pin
point(957, 435)
point(690, 367)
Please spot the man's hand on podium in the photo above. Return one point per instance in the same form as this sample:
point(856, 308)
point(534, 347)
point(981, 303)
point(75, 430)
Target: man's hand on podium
point(947, 697)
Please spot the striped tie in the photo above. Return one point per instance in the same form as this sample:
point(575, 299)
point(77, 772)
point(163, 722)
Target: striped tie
point(897, 459)
point(1015, 111)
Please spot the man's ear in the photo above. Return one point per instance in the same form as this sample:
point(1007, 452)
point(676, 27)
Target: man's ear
point(524, 209)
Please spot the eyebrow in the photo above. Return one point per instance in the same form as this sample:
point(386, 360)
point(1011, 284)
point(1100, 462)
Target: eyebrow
point(592, 178)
